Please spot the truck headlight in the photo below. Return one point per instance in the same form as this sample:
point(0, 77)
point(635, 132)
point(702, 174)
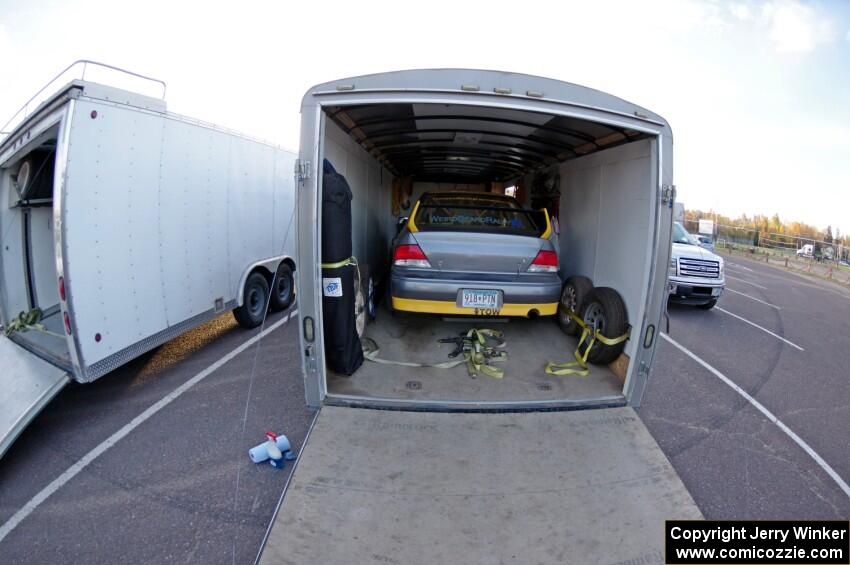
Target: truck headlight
point(672, 269)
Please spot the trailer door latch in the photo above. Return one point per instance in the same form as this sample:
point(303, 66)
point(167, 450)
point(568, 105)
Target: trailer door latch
point(668, 194)
point(302, 170)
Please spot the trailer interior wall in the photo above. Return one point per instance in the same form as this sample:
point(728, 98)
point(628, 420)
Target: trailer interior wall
point(606, 234)
point(372, 221)
point(605, 221)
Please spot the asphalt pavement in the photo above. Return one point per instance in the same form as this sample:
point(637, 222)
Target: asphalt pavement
point(733, 459)
point(178, 489)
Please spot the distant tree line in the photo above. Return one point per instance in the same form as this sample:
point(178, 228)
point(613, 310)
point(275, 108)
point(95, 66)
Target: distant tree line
point(746, 229)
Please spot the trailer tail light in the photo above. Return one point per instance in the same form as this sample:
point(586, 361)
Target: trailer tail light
point(67, 319)
point(545, 262)
point(62, 288)
point(410, 256)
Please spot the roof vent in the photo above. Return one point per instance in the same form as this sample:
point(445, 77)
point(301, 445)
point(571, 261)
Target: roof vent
point(502, 90)
point(343, 87)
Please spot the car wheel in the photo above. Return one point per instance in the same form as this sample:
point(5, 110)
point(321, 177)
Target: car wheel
point(283, 292)
point(605, 311)
point(255, 301)
point(362, 294)
point(708, 305)
point(573, 296)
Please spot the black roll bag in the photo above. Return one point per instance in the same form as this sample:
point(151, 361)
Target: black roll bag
point(343, 351)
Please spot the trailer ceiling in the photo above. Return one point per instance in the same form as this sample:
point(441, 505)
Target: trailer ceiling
point(471, 144)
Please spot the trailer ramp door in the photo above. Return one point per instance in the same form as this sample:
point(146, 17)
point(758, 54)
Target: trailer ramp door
point(375, 486)
point(26, 385)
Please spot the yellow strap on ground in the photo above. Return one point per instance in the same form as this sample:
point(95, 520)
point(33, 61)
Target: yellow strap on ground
point(579, 366)
point(477, 358)
point(26, 321)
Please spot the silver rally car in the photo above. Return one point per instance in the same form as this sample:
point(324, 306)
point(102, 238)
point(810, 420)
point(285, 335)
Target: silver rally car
point(480, 254)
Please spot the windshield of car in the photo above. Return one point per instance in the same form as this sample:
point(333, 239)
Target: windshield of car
point(474, 212)
point(680, 235)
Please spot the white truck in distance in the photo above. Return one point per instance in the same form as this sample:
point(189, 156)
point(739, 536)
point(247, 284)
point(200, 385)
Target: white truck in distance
point(696, 274)
point(808, 250)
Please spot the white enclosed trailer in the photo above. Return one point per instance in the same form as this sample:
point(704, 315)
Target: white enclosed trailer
point(422, 464)
point(126, 225)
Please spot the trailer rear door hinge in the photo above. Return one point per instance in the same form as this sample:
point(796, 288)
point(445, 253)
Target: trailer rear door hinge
point(302, 170)
point(668, 193)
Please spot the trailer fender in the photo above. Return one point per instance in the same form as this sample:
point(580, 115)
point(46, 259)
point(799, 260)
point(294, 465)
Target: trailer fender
point(268, 266)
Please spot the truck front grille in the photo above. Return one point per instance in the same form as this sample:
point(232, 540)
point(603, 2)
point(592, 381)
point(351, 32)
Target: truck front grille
point(699, 268)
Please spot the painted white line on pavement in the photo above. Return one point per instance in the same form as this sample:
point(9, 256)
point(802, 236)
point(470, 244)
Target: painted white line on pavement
point(755, 325)
point(736, 265)
point(753, 298)
point(767, 413)
point(728, 276)
point(77, 467)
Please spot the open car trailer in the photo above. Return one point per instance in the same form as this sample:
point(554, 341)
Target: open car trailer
point(409, 461)
point(124, 225)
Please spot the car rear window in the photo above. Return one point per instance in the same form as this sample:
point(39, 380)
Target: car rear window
point(477, 213)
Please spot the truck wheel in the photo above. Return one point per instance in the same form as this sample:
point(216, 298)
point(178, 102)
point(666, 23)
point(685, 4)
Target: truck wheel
point(573, 296)
point(605, 311)
point(708, 305)
point(283, 292)
point(255, 301)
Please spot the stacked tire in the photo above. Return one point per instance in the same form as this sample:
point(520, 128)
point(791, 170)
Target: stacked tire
point(600, 308)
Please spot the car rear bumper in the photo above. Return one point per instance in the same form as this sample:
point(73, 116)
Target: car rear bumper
point(434, 295)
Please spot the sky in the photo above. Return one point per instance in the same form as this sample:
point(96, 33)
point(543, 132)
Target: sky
point(757, 93)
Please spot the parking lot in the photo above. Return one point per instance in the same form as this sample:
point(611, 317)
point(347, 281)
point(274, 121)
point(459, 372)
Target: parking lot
point(149, 464)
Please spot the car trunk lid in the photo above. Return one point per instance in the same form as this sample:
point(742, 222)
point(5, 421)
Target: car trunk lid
point(472, 252)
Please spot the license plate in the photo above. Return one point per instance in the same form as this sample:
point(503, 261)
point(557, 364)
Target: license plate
point(473, 298)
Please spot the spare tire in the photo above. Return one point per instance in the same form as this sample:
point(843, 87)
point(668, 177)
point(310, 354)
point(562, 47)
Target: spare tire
point(573, 296)
point(605, 311)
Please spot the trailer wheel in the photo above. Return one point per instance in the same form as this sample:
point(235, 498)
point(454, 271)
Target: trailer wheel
point(605, 311)
point(255, 301)
point(283, 292)
point(573, 296)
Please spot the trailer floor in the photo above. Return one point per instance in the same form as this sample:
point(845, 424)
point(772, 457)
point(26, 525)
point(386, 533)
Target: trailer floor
point(383, 486)
point(530, 345)
point(53, 346)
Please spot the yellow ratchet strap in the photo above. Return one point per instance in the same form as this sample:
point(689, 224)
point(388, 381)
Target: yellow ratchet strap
point(477, 354)
point(579, 366)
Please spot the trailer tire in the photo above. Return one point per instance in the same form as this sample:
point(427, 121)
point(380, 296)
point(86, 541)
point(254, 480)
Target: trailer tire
point(708, 305)
point(255, 301)
point(605, 310)
point(283, 292)
point(574, 294)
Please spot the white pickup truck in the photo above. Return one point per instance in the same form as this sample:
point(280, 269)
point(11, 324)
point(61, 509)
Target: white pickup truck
point(696, 274)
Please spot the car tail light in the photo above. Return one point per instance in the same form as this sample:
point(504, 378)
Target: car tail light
point(410, 256)
point(545, 262)
point(67, 322)
point(62, 288)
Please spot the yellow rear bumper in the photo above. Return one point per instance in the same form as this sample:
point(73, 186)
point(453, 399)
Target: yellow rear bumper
point(449, 307)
